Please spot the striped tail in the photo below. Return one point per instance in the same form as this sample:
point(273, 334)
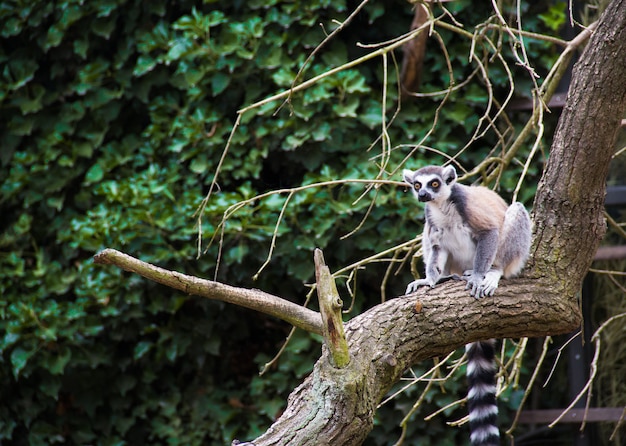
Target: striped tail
point(481, 395)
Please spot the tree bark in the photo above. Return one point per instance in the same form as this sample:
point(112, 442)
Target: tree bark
point(295, 314)
point(414, 52)
point(336, 407)
point(569, 205)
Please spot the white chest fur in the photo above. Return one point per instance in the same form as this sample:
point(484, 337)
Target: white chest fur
point(452, 235)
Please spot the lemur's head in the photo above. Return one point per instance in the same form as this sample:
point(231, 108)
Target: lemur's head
point(431, 183)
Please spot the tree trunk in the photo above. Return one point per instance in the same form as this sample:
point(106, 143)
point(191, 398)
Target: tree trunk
point(414, 53)
point(569, 204)
point(337, 406)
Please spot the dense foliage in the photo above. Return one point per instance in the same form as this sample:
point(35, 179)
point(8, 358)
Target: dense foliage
point(114, 115)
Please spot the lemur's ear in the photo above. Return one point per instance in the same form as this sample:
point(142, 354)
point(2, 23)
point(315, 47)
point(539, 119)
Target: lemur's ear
point(407, 175)
point(449, 174)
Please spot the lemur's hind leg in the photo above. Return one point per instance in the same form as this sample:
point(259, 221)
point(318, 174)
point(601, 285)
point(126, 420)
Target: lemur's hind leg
point(513, 247)
point(514, 243)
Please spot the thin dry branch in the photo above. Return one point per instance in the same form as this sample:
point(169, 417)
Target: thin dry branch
point(231, 210)
point(328, 38)
point(296, 315)
point(310, 82)
point(544, 95)
point(592, 373)
point(544, 351)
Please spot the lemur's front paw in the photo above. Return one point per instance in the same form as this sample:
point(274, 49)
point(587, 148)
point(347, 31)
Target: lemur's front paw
point(475, 283)
point(490, 283)
point(479, 285)
point(413, 286)
point(486, 289)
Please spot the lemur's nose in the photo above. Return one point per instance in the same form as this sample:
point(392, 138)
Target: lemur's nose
point(423, 195)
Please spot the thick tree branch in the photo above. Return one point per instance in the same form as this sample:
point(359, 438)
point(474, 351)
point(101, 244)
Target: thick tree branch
point(336, 406)
point(296, 315)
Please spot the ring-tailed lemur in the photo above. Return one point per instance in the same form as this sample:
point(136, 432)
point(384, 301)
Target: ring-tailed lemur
point(470, 233)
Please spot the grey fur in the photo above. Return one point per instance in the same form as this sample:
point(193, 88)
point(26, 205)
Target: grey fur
point(461, 237)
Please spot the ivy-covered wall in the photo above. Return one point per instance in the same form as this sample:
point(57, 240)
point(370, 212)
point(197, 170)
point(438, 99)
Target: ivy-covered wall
point(114, 115)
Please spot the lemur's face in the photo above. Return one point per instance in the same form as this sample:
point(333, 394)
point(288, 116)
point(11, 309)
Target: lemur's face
point(428, 184)
point(427, 187)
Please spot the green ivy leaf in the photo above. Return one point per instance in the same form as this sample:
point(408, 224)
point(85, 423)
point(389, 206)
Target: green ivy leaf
point(80, 47)
point(348, 108)
point(125, 383)
point(141, 348)
point(57, 362)
point(54, 37)
point(199, 165)
point(219, 83)
point(51, 386)
point(20, 70)
point(19, 359)
point(283, 77)
point(555, 17)
point(94, 174)
point(103, 27)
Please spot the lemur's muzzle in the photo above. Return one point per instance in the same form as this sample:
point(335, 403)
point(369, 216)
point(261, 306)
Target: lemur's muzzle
point(424, 196)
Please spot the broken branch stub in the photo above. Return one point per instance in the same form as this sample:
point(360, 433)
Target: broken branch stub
point(330, 309)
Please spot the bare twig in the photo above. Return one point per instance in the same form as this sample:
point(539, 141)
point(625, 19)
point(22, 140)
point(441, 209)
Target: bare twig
point(544, 351)
point(274, 235)
point(351, 64)
point(592, 373)
point(329, 37)
point(205, 201)
point(558, 356)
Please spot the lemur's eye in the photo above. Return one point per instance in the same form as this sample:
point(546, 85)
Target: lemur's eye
point(417, 186)
point(434, 184)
